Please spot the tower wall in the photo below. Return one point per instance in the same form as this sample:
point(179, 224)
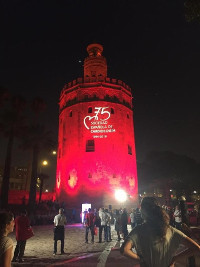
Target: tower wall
point(96, 145)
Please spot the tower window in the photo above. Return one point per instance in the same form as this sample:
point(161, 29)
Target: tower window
point(129, 150)
point(112, 111)
point(90, 146)
point(70, 113)
point(59, 153)
point(90, 110)
point(127, 116)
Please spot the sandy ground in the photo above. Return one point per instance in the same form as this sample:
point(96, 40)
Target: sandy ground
point(39, 250)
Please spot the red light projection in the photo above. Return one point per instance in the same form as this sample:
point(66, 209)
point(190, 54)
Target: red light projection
point(96, 146)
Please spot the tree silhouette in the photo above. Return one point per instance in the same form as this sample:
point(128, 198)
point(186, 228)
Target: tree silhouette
point(192, 10)
point(36, 138)
point(166, 170)
point(11, 123)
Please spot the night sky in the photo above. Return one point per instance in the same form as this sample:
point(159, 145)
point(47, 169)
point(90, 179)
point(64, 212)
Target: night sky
point(148, 44)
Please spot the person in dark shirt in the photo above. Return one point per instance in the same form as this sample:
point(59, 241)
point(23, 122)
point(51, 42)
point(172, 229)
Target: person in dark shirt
point(124, 222)
point(89, 223)
point(22, 227)
point(138, 217)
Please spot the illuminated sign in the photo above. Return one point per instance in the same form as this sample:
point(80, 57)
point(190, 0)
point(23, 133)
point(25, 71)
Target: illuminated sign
point(99, 123)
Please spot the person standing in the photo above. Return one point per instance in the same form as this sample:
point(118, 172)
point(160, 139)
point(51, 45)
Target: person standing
point(108, 226)
point(177, 218)
point(6, 244)
point(132, 218)
point(59, 230)
point(22, 229)
point(138, 217)
point(124, 222)
point(89, 223)
point(155, 241)
point(102, 227)
point(117, 223)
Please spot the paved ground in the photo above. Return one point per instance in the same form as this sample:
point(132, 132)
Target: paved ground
point(39, 250)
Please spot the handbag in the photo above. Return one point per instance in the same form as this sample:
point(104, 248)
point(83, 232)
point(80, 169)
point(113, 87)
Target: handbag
point(95, 230)
point(28, 233)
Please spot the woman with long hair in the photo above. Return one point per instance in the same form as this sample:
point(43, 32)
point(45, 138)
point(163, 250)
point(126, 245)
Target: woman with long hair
point(6, 244)
point(155, 241)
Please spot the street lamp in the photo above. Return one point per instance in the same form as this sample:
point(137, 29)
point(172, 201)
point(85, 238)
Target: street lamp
point(45, 162)
point(42, 177)
point(54, 152)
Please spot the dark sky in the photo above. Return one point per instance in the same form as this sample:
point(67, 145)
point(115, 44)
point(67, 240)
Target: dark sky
point(147, 44)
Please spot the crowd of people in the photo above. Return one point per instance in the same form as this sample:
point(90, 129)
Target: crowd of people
point(156, 233)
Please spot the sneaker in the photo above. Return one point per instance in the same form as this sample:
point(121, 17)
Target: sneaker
point(54, 254)
point(20, 260)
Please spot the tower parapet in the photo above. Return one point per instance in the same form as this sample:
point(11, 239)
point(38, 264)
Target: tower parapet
point(112, 90)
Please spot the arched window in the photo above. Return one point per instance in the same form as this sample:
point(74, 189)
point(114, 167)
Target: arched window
point(70, 113)
point(112, 111)
point(90, 110)
point(127, 115)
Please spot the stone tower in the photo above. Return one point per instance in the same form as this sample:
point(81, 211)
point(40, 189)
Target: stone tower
point(96, 144)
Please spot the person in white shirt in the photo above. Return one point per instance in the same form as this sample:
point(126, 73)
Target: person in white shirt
point(108, 227)
point(177, 218)
point(59, 230)
point(103, 217)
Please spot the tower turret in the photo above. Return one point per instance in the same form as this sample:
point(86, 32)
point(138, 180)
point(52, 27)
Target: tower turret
point(95, 66)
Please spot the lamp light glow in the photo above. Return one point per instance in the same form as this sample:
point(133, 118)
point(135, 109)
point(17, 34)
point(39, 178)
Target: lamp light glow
point(120, 195)
point(45, 162)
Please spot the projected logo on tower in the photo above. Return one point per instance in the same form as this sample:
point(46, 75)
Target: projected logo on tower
point(99, 123)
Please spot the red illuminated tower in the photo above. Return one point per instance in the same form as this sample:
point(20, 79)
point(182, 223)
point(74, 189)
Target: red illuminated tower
point(96, 145)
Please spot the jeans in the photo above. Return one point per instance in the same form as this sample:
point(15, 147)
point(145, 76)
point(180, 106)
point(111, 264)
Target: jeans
point(89, 228)
point(19, 250)
point(62, 246)
point(124, 231)
point(108, 233)
point(178, 225)
point(133, 225)
point(101, 228)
